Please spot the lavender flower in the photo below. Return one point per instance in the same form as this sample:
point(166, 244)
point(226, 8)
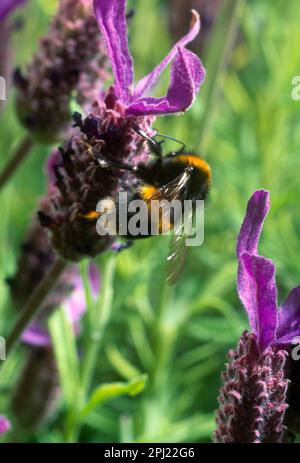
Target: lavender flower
point(107, 132)
point(81, 182)
point(253, 399)
point(68, 57)
point(4, 424)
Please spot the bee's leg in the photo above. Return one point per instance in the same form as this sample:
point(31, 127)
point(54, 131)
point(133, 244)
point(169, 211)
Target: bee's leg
point(137, 170)
point(154, 146)
point(105, 164)
point(119, 247)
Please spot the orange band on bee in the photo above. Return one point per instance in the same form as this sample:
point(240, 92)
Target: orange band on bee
point(196, 162)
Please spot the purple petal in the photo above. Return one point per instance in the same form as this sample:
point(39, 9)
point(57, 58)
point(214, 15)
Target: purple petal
point(7, 7)
point(4, 424)
point(111, 17)
point(149, 81)
point(257, 210)
point(187, 75)
point(36, 335)
point(289, 318)
point(258, 293)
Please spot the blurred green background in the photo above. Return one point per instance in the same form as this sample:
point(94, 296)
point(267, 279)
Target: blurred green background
point(166, 347)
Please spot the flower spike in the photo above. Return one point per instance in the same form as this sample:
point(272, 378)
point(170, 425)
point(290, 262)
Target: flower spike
point(261, 381)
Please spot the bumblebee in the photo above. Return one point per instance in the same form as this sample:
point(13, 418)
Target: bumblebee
point(179, 176)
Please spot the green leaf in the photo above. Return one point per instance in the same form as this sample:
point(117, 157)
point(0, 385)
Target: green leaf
point(64, 343)
point(84, 272)
point(48, 6)
point(110, 390)
point(122, 365)
point(98, 319)
point(219, 51)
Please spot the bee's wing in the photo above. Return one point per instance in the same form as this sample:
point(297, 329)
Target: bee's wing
point(172, 190)
point(178, 249)
point(176, 258)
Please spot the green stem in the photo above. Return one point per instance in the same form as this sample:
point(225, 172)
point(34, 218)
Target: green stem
point(31, 308)
point(97, 321)
point(84, 270)
point(218, 58)
point(17, 159)
point(164, 337)
point(98, 325)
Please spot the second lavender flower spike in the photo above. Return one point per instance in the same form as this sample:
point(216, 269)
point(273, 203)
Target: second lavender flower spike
point(254, 398)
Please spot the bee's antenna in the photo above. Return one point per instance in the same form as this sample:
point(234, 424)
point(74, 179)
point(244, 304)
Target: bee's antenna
point(167, 137)
point(153, 144)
